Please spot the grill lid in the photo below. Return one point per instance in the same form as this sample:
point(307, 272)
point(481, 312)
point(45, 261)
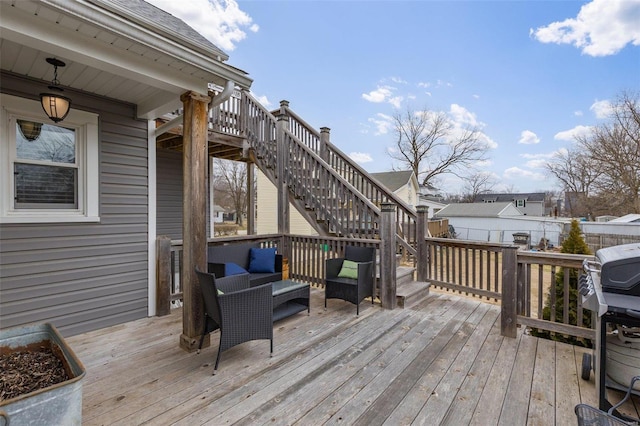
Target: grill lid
point(620, 269)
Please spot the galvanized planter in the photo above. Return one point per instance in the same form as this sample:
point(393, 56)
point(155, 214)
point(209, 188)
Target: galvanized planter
point(60, 404)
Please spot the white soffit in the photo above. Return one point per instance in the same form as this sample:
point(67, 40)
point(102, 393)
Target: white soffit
point(101, 61)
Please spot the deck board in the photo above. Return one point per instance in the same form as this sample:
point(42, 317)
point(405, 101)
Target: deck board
point(441, 361)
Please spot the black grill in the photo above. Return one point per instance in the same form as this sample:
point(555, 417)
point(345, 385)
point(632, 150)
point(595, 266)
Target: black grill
point(611, 288)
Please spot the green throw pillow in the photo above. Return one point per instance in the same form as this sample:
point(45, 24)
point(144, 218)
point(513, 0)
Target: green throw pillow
point(349, 270)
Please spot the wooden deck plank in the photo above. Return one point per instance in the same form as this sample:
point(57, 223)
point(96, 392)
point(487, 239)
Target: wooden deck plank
point(297, 400)
point(543, 386)
point(306, 377)
point(402, 375)
point(333, 367)
point(445, 394)
point(183, 397)
point(567, 376)
point(329, 406)
point(516, 405)
point(467, 399)
point(494, 391)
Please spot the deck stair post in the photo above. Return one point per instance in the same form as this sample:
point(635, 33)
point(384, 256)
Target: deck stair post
point(422, 261)
point(388, 256)
point(282, 158)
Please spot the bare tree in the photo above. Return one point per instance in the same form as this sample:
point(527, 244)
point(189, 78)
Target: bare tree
point(430, 144)
point(230, 185)
point(602, 169)
point(476, 184)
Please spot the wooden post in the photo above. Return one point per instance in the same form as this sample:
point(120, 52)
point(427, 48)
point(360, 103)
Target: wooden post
point(388, 256)
point(423, 253)
point(194, 229)
point(282, 156)
point(163, 275)
point(509, 319)
point(251, 199)
point(325, 137)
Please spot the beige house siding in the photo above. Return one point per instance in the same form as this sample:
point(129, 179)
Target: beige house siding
point(267, 210)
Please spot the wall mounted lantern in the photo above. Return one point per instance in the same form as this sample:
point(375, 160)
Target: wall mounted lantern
point(55, 105)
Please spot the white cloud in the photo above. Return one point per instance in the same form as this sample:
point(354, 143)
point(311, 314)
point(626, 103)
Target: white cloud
point(396, 101)
point(383, 94)
point(424, 85)
point(382, 123)
point(537, 156)
point(476, 96)
point(220, 21)
point(571, 134)
point(527, 137)
point(263, 100)
point(578, 113)
point(602, 27)
point(379, 95)
point(539, 163)
point(518, 173)
point(361, 157)
point(602, 109)
point(398, 80)
point(462, 118)
point(462, 115)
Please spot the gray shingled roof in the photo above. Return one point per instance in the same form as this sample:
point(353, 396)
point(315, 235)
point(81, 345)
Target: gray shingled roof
point(500, 197)
point(393, 180)
point(173, 25)
point(479, 210)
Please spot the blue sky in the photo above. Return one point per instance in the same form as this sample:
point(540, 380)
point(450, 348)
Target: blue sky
point(528, 74)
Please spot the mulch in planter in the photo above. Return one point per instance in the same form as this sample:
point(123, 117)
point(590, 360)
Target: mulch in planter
point(30, 369)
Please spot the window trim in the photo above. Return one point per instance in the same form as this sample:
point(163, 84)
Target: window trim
point(86, 127)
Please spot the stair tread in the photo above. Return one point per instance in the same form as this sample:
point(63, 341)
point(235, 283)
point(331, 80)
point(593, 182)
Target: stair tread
point(410, 288)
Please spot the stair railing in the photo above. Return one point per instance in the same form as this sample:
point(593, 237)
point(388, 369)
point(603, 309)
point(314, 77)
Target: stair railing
point(406, 217)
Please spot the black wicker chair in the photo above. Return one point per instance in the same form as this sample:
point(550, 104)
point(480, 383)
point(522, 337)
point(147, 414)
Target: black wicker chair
point(349, 289)
point(241, 312)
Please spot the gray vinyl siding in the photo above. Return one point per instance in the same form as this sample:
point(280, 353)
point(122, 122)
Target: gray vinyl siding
point(84, 276)
point(169, 190)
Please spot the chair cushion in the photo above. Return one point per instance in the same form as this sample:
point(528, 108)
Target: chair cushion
point(231, 268)
point(349, 270)
point(262, 260)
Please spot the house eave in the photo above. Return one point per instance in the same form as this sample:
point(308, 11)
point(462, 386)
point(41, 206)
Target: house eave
point(110, 17)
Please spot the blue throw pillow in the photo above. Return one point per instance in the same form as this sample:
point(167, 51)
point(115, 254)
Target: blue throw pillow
point(262, 259)
point(233, 269)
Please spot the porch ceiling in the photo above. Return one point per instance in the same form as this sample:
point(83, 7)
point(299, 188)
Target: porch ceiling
point(108, 52)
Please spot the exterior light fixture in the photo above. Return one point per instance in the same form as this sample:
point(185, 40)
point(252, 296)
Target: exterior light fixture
point(55, 105)
point(29, 129)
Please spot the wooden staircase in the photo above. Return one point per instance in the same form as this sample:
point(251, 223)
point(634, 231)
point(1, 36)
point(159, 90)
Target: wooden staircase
point(335, 195)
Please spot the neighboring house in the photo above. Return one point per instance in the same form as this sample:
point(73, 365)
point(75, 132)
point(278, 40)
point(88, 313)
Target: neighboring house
point(497, 222)
point(434, 205)
point(402, 183)
point(531, 204)
point(628, 218)
point(81, 254)
point(267, 215)
point(219, 214)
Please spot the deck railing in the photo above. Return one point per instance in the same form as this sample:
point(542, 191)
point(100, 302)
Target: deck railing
point(521, 286)
point(517, 280)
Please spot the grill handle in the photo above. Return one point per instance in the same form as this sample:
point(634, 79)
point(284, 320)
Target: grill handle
point(591, 266)
point(634, 314)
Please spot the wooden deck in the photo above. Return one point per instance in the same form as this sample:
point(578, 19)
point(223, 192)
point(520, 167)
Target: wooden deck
point(442, 361)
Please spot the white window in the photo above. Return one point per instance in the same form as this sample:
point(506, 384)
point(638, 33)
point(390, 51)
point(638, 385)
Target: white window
point(49, 171)
point(520, 203)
